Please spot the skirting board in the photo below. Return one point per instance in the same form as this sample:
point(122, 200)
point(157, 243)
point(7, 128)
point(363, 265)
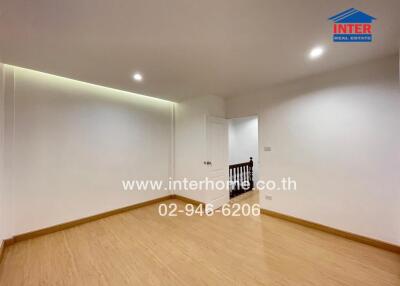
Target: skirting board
point(62, 226)
point(48, 230)
point(331, 230)
point(59, 227)
point(186, 200)
point(2, 246)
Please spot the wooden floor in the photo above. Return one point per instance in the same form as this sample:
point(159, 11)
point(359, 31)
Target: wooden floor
point(141, 248)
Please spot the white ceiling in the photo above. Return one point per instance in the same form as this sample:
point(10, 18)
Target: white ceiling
point(187, 47)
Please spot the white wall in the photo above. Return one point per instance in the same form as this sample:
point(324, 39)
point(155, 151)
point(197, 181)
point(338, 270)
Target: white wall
point(74, 143)
point(338, 135)
point(2, 162)
point(190, 139)
point(243, 141)
point(6, 151)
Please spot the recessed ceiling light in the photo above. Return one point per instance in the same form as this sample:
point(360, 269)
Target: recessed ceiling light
point(316, 52)
point(137, 76)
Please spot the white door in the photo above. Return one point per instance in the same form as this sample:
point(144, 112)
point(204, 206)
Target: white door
point(217, 165)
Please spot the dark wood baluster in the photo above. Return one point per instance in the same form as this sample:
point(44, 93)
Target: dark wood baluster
point(251, 173)
point(247, 177)
point(240, 173)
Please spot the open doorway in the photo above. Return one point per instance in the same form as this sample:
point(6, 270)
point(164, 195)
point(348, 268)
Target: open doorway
point(243, 154)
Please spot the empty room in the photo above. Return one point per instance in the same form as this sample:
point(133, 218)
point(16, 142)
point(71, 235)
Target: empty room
point(224, 142)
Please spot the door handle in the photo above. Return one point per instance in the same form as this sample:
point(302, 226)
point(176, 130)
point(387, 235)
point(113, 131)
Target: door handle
point(207, 162)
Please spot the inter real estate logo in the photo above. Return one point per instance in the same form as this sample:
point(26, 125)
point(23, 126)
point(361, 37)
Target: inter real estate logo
point(352, 25)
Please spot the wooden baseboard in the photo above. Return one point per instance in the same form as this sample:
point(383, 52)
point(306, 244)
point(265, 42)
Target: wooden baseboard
point(8, 241)
point(331, 230)
point(187, 200)
point(48, 230)
point(62, 226)
point(2, 246)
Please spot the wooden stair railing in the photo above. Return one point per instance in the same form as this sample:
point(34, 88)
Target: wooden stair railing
point(241, 178)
